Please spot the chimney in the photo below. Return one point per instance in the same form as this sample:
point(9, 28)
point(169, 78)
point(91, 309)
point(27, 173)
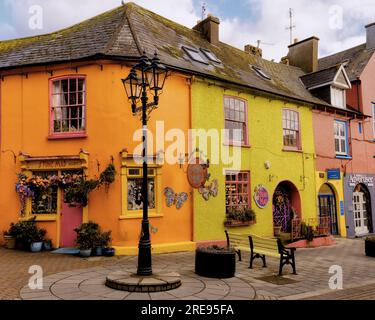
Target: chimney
point(250, 49)
point(370, 36)
point(304, 54)
point(209, 28)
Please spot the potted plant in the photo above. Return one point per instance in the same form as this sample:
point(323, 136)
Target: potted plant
point(37, 239)
point(370, 246)
point(9, 239)
point(103, 241)
point(47, 245)
point(87, 237)
point(106, 243)
point(215, 262)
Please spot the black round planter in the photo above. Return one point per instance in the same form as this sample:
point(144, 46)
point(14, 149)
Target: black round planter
point(370, 248)
point(220, 264)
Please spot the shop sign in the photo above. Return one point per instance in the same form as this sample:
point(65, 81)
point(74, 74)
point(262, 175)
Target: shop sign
point(357, 179)
point(197, 174)
point(342, 208)
point(334, 174)
point(261, 196)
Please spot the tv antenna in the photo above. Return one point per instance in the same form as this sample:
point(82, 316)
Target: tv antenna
point(204, 9)
point(291, 25)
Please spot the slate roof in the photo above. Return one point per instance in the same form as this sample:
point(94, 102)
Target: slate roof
point(357, 58)
point(128, 30)
point(320, 77)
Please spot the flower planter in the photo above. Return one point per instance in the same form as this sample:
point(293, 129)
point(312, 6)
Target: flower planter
point(370, 248)
point(98, 251)
point(235, 223)
point(219, 264)
point(109, 252)
point(85, 253)
point(10, 242)
point(47, 246)
point(36, 246)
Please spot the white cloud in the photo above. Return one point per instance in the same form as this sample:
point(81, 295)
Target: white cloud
point(267, 20)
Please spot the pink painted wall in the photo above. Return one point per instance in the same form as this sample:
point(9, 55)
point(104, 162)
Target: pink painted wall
point(362, 145)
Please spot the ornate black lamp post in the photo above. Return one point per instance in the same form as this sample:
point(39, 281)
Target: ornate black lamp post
point(148, 76)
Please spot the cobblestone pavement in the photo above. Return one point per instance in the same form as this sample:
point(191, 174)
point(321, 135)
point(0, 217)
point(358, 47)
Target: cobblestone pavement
point(14, 267)
point(310, 283)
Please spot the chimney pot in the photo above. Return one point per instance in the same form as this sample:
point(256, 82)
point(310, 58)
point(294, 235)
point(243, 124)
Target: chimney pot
point(209, 28)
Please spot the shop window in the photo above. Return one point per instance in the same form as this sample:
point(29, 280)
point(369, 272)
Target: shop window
point(132, 180)
point(341, 138)
point(68, 106)
point(237, 191)
point(44, 200)
point(291, 129)
point(236, 120)
point(134, 186)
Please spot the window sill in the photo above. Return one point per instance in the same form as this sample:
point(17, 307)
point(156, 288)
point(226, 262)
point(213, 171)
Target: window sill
point(237, 145)
point(292, 150)
point(41, 217)
point(136, 216)
point(344, 157)
point(67, 136)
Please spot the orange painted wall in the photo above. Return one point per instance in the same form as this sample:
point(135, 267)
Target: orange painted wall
point(110, 128)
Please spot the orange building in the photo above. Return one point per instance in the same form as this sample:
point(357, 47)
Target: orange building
point(64, 110)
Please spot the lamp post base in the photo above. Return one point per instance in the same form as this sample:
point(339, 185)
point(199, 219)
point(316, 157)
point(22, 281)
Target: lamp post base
point(124, 281)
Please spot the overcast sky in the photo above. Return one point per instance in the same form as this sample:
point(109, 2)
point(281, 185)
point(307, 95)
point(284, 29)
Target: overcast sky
point(338, 23)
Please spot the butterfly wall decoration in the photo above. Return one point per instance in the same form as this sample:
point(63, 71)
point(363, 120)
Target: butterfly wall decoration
point(177, 199)
point(209, 190)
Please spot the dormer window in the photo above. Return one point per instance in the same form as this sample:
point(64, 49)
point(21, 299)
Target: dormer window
point(194, 55)
point(338, 97)
point(260, 72)
point(210, 56)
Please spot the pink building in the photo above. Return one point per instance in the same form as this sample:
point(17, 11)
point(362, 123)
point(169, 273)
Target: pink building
point(344, 133)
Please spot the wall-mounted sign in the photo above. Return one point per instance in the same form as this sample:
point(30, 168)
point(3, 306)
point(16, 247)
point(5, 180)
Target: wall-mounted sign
point(261, 196)
point(342, 208)
point(197, 174)
point(333, 174)
point(356, 179)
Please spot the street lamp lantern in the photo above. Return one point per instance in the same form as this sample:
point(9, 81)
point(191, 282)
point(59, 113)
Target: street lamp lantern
point(145, 77)
point(156, 74)
point(133, 88)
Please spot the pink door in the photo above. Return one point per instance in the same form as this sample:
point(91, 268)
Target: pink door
point(71, 218)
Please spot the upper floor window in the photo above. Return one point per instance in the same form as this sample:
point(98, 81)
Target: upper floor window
point(338, 98)
point(341, 138)
point(291, 129)
point(236, 120)
point(68, 106)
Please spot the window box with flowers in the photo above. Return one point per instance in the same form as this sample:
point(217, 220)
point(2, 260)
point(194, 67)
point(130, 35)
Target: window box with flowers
point(240, 217)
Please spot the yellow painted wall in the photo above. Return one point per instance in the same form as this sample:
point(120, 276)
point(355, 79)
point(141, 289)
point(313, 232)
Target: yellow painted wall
point(266, 144)
point(337, 187)
point(25, 128)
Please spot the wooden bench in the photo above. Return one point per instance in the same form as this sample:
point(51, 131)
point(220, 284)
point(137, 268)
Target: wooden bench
point(259, 248)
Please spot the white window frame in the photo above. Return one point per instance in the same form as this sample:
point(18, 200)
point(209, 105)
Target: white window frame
point(340, 138)
point(338, 97)
point(373, 119)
